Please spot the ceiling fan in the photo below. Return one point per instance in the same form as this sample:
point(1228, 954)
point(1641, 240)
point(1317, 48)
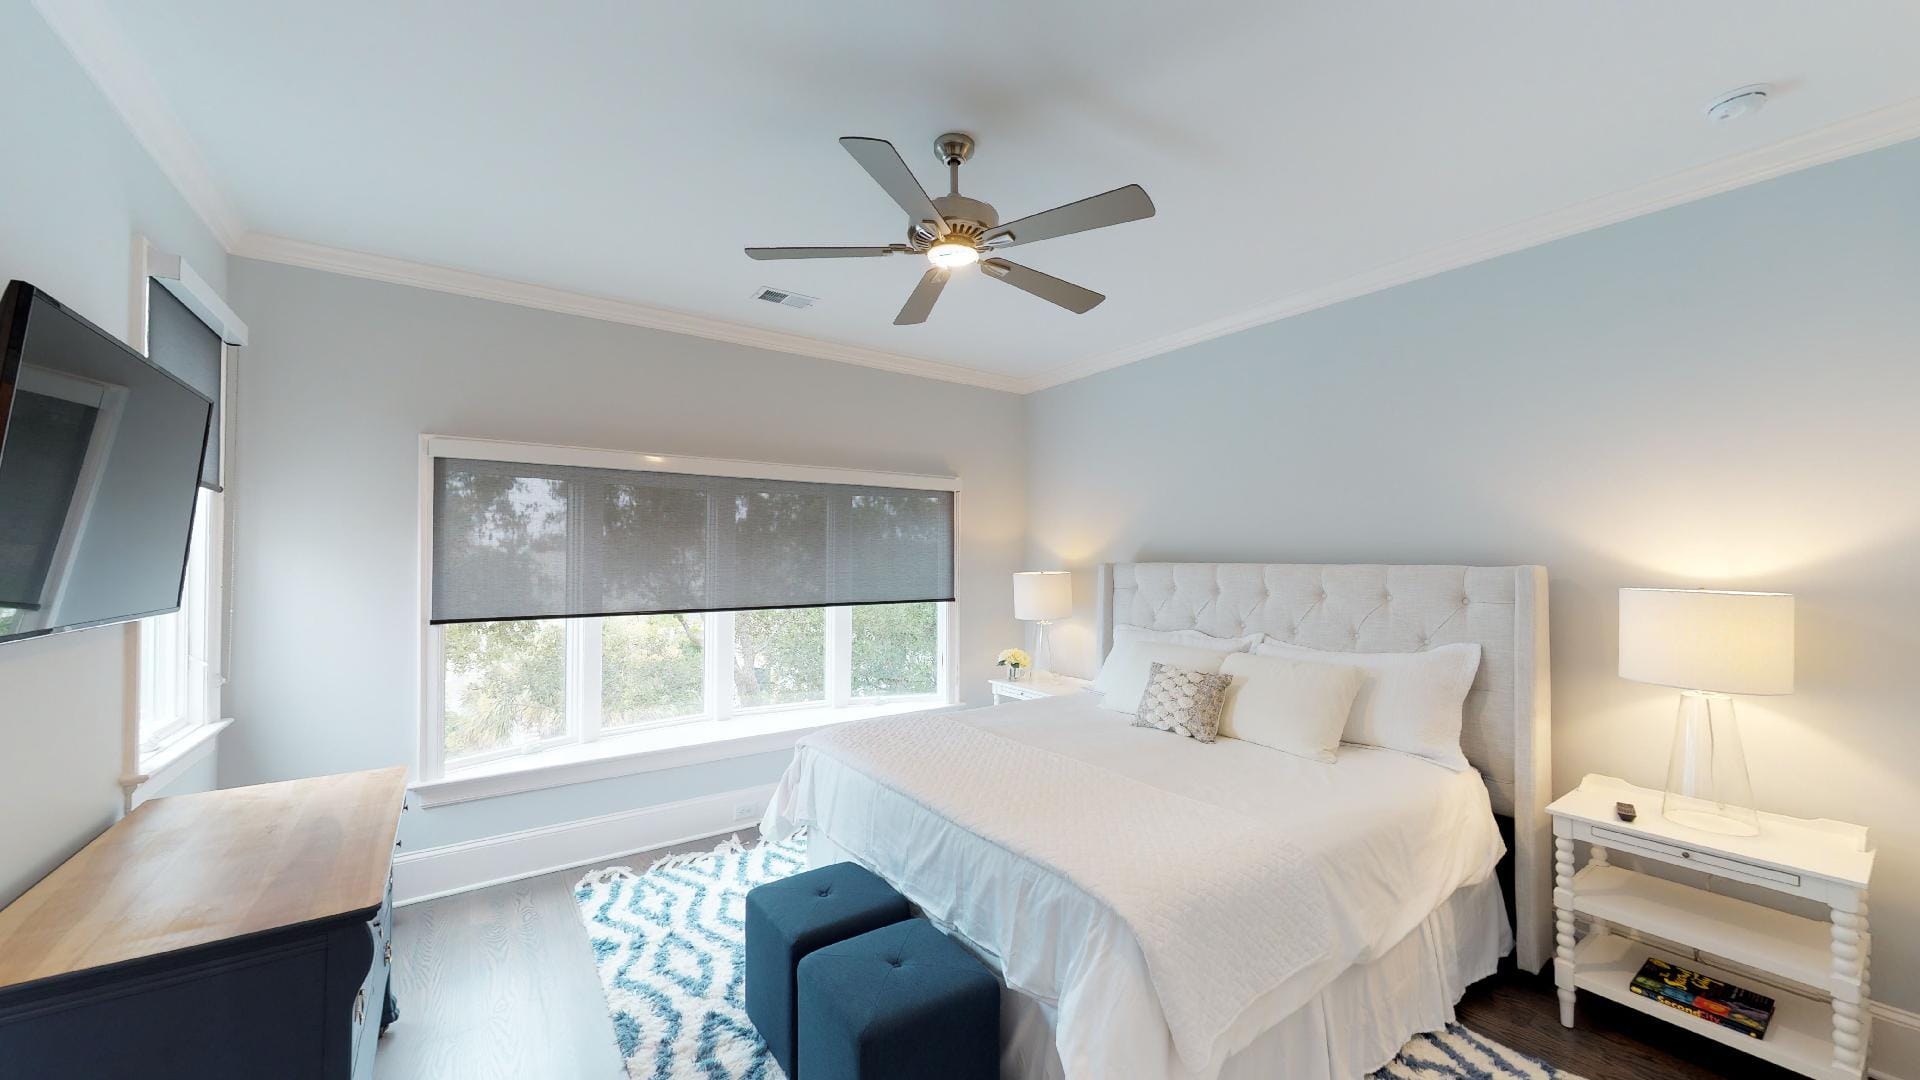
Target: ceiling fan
point(955, 232)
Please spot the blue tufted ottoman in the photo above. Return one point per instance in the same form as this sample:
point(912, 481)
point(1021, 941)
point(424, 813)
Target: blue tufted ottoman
point(903, 1002)
point(789, 918)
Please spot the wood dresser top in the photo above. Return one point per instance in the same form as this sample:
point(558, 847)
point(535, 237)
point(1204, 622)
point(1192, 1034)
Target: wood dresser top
point(195, 869)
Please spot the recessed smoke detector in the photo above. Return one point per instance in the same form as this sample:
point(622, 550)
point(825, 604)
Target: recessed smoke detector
point(1738, 103)
point(785, 297)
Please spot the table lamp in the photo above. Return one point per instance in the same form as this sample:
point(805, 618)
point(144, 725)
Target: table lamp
point(1042, 596)
point(1709, 645)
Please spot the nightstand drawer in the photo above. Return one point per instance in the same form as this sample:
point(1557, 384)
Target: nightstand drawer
point(1706, 862)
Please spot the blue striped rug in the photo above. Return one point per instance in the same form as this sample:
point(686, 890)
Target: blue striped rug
point(669, 944)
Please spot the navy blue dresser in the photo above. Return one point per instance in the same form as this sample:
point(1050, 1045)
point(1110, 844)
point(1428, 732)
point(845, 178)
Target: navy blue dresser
point(239, 933)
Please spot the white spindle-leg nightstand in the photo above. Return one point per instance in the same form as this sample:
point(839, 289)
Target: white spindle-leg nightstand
point(1815, 970)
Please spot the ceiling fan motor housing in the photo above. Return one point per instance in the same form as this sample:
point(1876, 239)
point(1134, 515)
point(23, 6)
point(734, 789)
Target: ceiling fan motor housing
point(966, 217)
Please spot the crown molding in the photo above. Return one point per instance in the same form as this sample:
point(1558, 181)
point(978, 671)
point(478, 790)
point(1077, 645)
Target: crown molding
point(362, 264)
point(93, 37)
point(1857, 135)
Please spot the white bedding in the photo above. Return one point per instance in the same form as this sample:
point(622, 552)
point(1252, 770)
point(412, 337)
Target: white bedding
point(1390, 838)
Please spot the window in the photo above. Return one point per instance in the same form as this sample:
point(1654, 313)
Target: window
point(527, 685)
point(577, 597)
point(179, 688)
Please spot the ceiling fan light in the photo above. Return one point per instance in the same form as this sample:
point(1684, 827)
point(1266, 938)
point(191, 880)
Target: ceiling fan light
point(952, 254)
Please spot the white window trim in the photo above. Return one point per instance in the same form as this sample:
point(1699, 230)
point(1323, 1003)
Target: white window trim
point(150, 764)
point(667, 744)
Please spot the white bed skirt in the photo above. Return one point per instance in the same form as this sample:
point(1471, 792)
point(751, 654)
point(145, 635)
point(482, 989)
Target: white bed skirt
point(1354, 1026)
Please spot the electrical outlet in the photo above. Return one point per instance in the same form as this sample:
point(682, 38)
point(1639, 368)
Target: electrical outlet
point(747, 811)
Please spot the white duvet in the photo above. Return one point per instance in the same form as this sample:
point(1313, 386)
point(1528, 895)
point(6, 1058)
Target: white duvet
point(1168, 900)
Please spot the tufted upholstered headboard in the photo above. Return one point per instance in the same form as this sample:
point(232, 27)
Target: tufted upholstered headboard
point(1382, 608)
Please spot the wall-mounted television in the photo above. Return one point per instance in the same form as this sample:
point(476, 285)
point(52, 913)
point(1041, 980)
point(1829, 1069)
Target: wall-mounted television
point(99, 467)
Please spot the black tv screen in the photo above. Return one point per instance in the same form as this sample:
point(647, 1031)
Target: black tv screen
point(99, 467)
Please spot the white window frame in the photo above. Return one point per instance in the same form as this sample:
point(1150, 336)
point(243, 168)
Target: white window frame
point(179, 659)
point(721, 722)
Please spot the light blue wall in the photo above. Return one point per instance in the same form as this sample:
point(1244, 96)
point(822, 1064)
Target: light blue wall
point(1726, 393)
point(74, 190)
point(342, 377)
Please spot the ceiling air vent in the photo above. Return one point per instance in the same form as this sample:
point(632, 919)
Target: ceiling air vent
point(785, 298)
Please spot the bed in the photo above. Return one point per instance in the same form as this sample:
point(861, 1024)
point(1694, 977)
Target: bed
point(1164, 908)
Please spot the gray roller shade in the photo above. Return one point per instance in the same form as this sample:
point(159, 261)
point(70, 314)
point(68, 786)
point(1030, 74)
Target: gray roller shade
point(521, 541)
point(186, 348)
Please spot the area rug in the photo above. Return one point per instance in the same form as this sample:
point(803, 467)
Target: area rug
point(670, 946)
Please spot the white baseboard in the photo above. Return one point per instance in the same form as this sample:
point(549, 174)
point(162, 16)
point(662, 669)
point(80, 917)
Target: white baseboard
point(1896, 1044)
point(475, 864)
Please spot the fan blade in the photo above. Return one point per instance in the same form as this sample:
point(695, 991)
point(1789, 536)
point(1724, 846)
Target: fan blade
point(1045, 286)
point(1114, 207)
point(887, 168)
point(920, 304)
point(817, 252)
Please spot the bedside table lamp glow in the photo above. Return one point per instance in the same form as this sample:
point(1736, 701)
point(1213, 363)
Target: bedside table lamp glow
point(1709, 645)
point(1042, 596)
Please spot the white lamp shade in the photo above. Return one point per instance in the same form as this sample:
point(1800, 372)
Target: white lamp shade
point(1697, 639)
point(1042, 595)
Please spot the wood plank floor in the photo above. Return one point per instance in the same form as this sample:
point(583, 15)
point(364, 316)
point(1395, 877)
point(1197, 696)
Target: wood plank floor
point(498, 983)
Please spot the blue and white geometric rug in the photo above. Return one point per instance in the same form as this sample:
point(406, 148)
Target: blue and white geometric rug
point(670, 946)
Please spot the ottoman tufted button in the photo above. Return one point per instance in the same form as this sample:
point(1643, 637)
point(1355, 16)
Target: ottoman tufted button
point(825, 890)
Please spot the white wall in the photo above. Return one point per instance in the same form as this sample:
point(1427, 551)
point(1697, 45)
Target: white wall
point(343, 376)
point(1723, 394)
point(74, 190)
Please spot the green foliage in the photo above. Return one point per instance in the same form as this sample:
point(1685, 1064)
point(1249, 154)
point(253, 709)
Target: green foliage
point(895, 649)
point(652, 667)
point(506, 683)
point(779, 656)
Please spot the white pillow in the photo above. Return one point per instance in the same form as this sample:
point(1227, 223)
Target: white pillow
point(1410, 702)
point(1123, 678)
point(1291, 705)
point(1187, 637)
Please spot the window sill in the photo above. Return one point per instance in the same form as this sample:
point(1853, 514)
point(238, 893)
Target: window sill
point(165, 765)
point(647, 751)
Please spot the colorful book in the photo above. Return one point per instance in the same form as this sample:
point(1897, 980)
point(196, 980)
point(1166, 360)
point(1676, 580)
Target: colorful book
point(1708, 999)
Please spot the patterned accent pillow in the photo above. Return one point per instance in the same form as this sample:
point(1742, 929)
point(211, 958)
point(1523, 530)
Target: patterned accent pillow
point(1182, 701)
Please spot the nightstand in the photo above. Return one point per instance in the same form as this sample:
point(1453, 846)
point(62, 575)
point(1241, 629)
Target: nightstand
point(1036, 684)
point(1815, 970)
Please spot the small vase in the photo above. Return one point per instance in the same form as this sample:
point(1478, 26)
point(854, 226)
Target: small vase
point(1013, 672)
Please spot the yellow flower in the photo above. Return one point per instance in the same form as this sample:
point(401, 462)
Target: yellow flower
point(1016, 658)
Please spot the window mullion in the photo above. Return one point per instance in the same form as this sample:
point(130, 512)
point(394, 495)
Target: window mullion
point(583, 678)
point(839, 658)
point(719, 646)
point(944, 651)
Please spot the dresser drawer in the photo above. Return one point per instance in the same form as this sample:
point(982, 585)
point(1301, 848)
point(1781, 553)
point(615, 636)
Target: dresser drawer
point(1704, 861)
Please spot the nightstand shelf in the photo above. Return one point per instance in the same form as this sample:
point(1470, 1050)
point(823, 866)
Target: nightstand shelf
point(1790, 946)
point(1797, 1039)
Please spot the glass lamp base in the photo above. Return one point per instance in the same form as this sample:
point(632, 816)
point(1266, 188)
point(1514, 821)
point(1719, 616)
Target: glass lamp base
point(1043, 646)
point(1707, 784)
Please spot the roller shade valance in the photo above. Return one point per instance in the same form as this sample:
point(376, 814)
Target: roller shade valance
point(183, 346)
point(513, 540)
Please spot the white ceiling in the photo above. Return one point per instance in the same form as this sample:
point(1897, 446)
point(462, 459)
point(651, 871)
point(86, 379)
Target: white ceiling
point(1298, 152)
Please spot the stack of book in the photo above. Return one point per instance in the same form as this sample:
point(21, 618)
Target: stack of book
point(1709, 999)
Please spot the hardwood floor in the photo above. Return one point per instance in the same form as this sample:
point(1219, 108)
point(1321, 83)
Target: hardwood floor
point(498, 983)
